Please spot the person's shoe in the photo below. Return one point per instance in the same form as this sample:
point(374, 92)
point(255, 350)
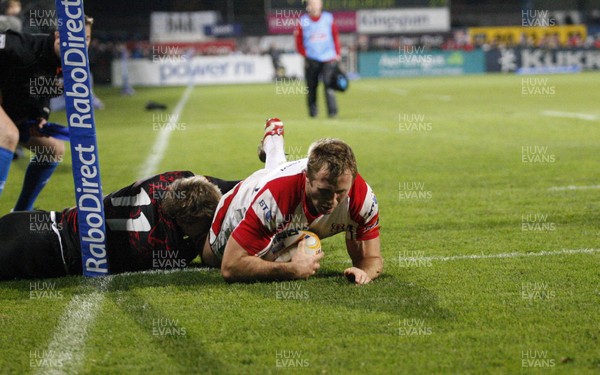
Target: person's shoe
point(152, 106)
point(273, 126)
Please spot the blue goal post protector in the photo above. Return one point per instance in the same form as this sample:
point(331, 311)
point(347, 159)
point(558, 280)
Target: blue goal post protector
point(82, 129)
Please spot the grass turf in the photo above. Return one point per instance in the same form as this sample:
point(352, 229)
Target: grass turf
point(460, 142)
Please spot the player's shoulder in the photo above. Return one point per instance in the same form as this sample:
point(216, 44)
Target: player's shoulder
point(287, 173)
point(363, 201)
point(284, 183)
point(360, 186)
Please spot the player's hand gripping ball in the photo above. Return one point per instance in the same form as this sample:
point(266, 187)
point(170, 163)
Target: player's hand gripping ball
point(312, 245)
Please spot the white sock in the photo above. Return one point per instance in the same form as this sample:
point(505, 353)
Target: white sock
point(273, 146)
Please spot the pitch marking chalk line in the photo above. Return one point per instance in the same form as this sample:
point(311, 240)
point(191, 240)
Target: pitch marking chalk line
point(502, 255)
point(573, 187)
point(575, 115)
point(66, 350)
point(162, 140)
point(67, 346)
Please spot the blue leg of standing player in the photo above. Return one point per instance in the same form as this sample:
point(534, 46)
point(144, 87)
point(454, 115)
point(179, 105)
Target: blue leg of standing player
point(48, 153)
point(6, 157)
point(9, 137)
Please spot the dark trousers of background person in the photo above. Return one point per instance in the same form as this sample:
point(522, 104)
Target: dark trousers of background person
point(313, 71)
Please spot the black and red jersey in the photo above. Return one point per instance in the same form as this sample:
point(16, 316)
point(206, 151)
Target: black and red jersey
point(139, 236)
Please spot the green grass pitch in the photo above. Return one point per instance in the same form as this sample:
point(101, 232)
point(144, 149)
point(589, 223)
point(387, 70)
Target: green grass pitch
point(461, 166)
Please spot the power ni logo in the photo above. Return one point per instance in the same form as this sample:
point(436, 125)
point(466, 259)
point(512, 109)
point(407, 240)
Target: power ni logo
point(84, 150)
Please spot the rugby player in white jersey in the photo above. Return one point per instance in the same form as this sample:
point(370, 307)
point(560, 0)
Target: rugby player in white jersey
point(323, 194)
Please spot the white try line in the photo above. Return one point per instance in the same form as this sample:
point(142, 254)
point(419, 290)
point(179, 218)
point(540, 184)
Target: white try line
point(67, 346)
point(66, 350)
point(573, 187)
point(499, 256)
point(162, 140)
point(579, 116)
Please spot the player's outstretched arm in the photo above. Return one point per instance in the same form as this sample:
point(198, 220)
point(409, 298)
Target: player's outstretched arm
point(366, 260)
point(239, 266)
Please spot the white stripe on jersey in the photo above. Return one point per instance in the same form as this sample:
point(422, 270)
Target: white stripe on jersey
point(138, 224)
point(370, 208)
point(142, 199)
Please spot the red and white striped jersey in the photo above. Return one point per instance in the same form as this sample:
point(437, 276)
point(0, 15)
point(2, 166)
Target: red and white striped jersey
point(271, 205)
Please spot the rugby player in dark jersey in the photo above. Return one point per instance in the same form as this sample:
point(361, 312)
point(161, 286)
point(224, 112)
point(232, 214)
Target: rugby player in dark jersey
point(30, 74)
point(157, 223)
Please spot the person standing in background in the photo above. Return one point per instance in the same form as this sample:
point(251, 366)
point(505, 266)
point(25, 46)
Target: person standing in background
point(317, 39)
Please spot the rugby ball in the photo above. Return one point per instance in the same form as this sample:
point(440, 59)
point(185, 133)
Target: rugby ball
point(312, 245)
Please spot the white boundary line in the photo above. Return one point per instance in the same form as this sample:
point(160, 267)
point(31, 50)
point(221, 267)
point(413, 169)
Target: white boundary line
point(573, 187)
point(66, 350)
point(579, 116)
point(162, 140)
point(502, 255)
point(67, 347)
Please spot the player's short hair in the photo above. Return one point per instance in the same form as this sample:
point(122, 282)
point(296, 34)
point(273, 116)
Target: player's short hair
point(191, 200)
point(331, 154)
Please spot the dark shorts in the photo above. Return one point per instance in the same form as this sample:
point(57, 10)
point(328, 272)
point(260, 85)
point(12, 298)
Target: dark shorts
point(31, 246)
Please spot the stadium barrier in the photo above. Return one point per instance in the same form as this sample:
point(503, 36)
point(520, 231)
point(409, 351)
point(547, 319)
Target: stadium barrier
point(542, 60)
point(205, 70)
point(420, 63)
